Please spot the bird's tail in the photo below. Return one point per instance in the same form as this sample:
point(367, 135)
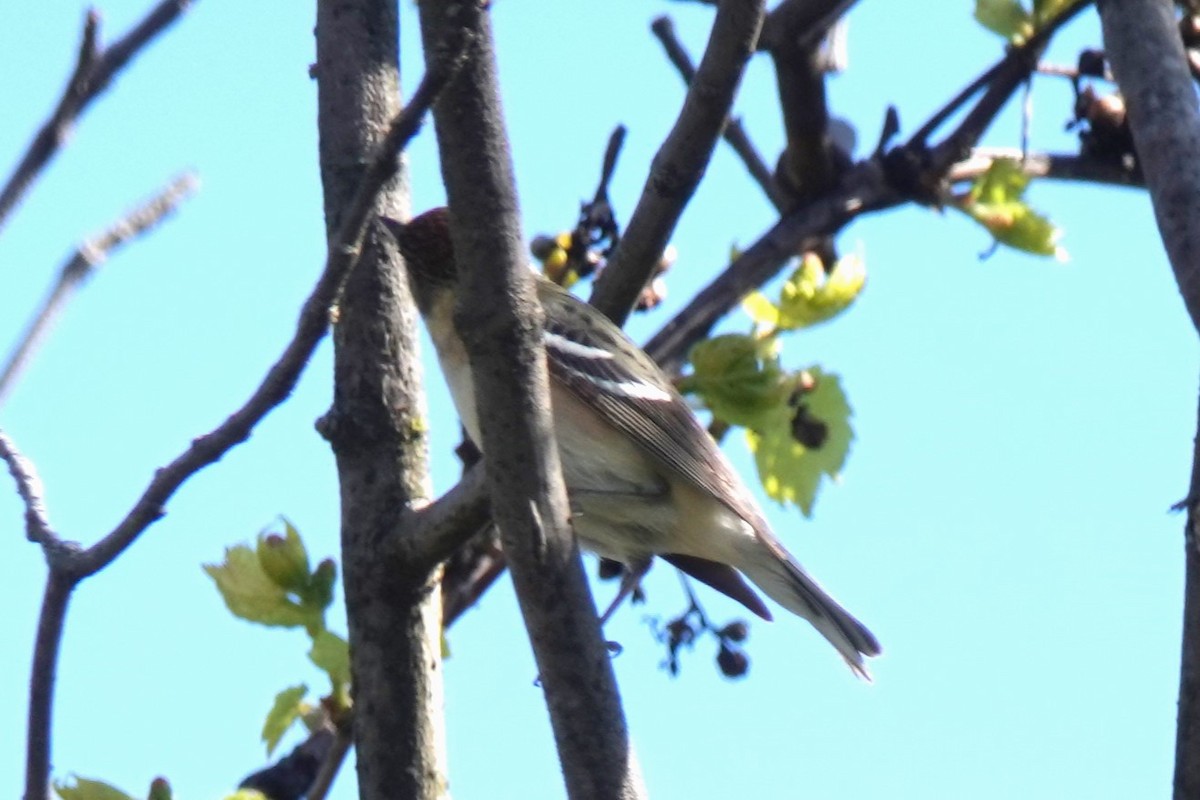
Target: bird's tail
point(783, 580)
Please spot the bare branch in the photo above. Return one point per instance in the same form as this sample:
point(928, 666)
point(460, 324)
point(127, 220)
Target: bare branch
point(437, 530)
point(681, 161)
point(864, 188)
point(94, 70)
point(1144, 47)
point(500, 322)
point(55, 600)
point(333, 762)
point(73, 565)
point(1056, 166)
point(800, 23)
point(83, 263)
point(734, 134)
point(29, 488)
point(1002, 81)
point(311, 327)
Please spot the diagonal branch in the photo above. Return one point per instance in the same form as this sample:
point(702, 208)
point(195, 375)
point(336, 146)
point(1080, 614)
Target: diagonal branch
point(69, 565)
point(311, 327)
point(94, 70)
point(733, 133)
point(681, 161)
point(83, 263)
point(499, 320)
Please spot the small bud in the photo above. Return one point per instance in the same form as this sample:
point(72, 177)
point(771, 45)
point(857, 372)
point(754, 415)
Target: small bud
point(736, 631)
point(680, 632)
point(732, 663)
point(160, 789)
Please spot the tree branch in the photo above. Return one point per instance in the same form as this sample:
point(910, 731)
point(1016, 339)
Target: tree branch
point(1056, 166)
point(800, 23)
point(94, 70)
point(29, 489)
point(1143, 44)
point(83, 263)
point(69, 564)
point(500, 322)
point(377, 421)
point(437, 530)
point(681, 161)
point(1002, 81)
point(862, 189)
point(734, 134)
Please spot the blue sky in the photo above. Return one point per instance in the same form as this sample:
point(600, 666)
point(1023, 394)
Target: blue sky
point(1022, 428)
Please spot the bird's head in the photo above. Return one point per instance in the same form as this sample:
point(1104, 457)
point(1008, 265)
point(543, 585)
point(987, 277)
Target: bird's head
point(428, 253)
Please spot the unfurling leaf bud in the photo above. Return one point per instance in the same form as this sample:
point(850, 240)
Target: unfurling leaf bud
point(320, 591)
point(284, 559)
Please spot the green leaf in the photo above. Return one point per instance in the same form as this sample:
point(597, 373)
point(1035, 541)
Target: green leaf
point(803, 440)
point(88, 789)
point(286, 709)
point(283, 558)
point(738, 377)
point(761, 310)
point(250, 594)
point(1046, 10)
point(810, 296)
point(331, 653)
point(995, 202)
point(1008, 18)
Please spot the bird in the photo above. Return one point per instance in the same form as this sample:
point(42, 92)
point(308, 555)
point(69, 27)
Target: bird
point(644, 478)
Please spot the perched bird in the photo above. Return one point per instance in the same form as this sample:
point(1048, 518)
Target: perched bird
point(643, 476)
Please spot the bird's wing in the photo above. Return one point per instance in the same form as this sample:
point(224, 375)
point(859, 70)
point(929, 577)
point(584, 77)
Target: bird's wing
point(636, 398)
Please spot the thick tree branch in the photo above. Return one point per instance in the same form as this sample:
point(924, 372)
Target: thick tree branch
point(681, 161)
point(94, 70)
point(1143, 44)
point(83, 263)
point(377, 421)
point(500, 321)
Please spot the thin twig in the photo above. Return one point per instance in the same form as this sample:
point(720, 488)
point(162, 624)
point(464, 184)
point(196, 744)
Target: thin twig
point(82, 264)
point(29, 488)
point(1057, 166)
point(1012, 71)
point(734, 134)
point(334, 759)
point(94, 70)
